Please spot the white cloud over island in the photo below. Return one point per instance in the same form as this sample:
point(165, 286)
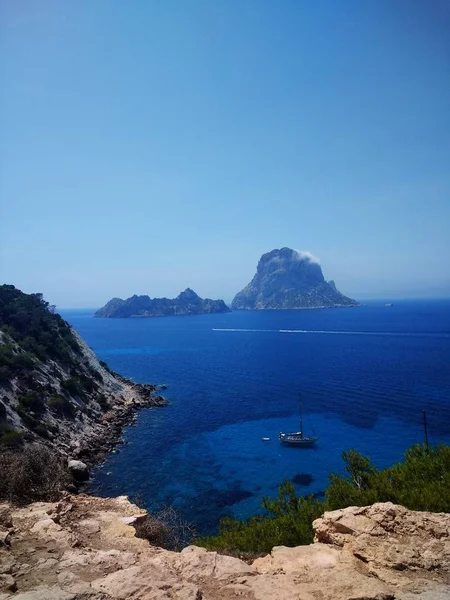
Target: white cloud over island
point(305, 254)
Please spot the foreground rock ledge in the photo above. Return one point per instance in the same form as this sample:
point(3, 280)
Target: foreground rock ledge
point(84, 548)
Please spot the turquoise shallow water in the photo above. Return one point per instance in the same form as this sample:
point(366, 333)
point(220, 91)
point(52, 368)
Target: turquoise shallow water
point(365, 374)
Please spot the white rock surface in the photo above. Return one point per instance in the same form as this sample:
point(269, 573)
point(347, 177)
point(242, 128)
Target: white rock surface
point(380, 552)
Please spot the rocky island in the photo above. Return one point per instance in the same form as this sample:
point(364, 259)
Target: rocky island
point(186, 303)
point(289, 279)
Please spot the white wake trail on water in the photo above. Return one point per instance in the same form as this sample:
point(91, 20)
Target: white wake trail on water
point(331, 332)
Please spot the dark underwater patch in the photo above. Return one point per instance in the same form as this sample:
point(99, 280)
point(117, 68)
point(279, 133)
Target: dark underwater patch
point(303, 479)
point(210, 505)
point(224, 498)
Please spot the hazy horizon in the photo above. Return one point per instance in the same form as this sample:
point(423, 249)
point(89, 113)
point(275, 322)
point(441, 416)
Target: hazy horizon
point(149, 147)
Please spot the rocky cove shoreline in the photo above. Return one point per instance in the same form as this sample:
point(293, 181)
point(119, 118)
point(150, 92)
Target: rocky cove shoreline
point(103, 437)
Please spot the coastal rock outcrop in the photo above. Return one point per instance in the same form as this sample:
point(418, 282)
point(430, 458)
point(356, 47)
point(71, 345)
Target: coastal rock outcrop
point(84, 548)
point(53, 388)
point(186, 303)
point(289, 279)
point(78, 469)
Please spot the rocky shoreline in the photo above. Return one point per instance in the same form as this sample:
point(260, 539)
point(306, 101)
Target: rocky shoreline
point(102, 439)
point(79, 411)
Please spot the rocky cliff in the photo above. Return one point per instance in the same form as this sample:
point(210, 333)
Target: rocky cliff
point(186, 303)
point(53, 388)
point(288, 279)
point(84, 548)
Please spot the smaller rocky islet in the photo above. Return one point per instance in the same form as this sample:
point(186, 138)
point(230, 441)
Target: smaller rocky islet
point(186, 303)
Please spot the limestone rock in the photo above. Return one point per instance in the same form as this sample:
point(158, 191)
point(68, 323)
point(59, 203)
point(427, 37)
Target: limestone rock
point(45, 526)
point(45, 593)
point(7, 563)
point(379, 552)
point(7, 583)
point(5, 516)
point(289, 279)
point(4, 537)
point(197, 563)
point(79, 470)
point(315, 557)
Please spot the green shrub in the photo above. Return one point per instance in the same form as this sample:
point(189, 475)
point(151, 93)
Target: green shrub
point(13, 363)
point(9, 437)
point(165, 529)
point(34, 473)
point(106, 367)
point(61, 406)
point(288, 522)
point(87, 383)
point(37, 329)
point(32, 402)
point(420, 482)
point(22, 361)
point(73, 386)
point(95, 374)
point(30, 420)
point(41, 429)
point(6, 374)
point(102, 401)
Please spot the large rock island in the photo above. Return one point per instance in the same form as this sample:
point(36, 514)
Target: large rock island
point(186, 303)
point(289, 279)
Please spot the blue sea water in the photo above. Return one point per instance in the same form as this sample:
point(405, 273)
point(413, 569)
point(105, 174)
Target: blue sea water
point(365, 374)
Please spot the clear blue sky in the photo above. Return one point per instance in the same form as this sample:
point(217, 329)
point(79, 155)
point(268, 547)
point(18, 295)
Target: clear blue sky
point(148, 146)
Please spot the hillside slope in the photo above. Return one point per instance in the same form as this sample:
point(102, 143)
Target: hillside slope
point(53, 388)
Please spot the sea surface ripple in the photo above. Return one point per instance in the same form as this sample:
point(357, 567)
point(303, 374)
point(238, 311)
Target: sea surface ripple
point(365, 375)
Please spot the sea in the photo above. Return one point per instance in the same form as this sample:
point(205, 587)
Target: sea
point(365, 376)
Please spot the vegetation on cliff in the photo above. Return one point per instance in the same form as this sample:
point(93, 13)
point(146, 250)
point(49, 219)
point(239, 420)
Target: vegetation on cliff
point(33, 473)
point(46, 375)
point(58, 402)
point(420, 482)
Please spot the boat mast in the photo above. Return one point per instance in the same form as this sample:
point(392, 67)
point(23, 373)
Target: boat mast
point(301, 417)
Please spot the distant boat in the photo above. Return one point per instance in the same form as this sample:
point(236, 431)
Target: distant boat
point(265, 439)
point(389, 304)
point(297, 438)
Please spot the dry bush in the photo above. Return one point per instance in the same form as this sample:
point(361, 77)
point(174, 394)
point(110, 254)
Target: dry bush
point(166, 529)
point(34, 473)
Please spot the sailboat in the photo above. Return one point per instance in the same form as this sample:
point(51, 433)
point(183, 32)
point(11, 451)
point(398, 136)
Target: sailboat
point(297, 438)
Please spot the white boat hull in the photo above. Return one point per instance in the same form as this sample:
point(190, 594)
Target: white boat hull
point(297, 439)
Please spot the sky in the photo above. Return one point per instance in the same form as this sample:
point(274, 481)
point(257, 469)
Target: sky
point(148, 146)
